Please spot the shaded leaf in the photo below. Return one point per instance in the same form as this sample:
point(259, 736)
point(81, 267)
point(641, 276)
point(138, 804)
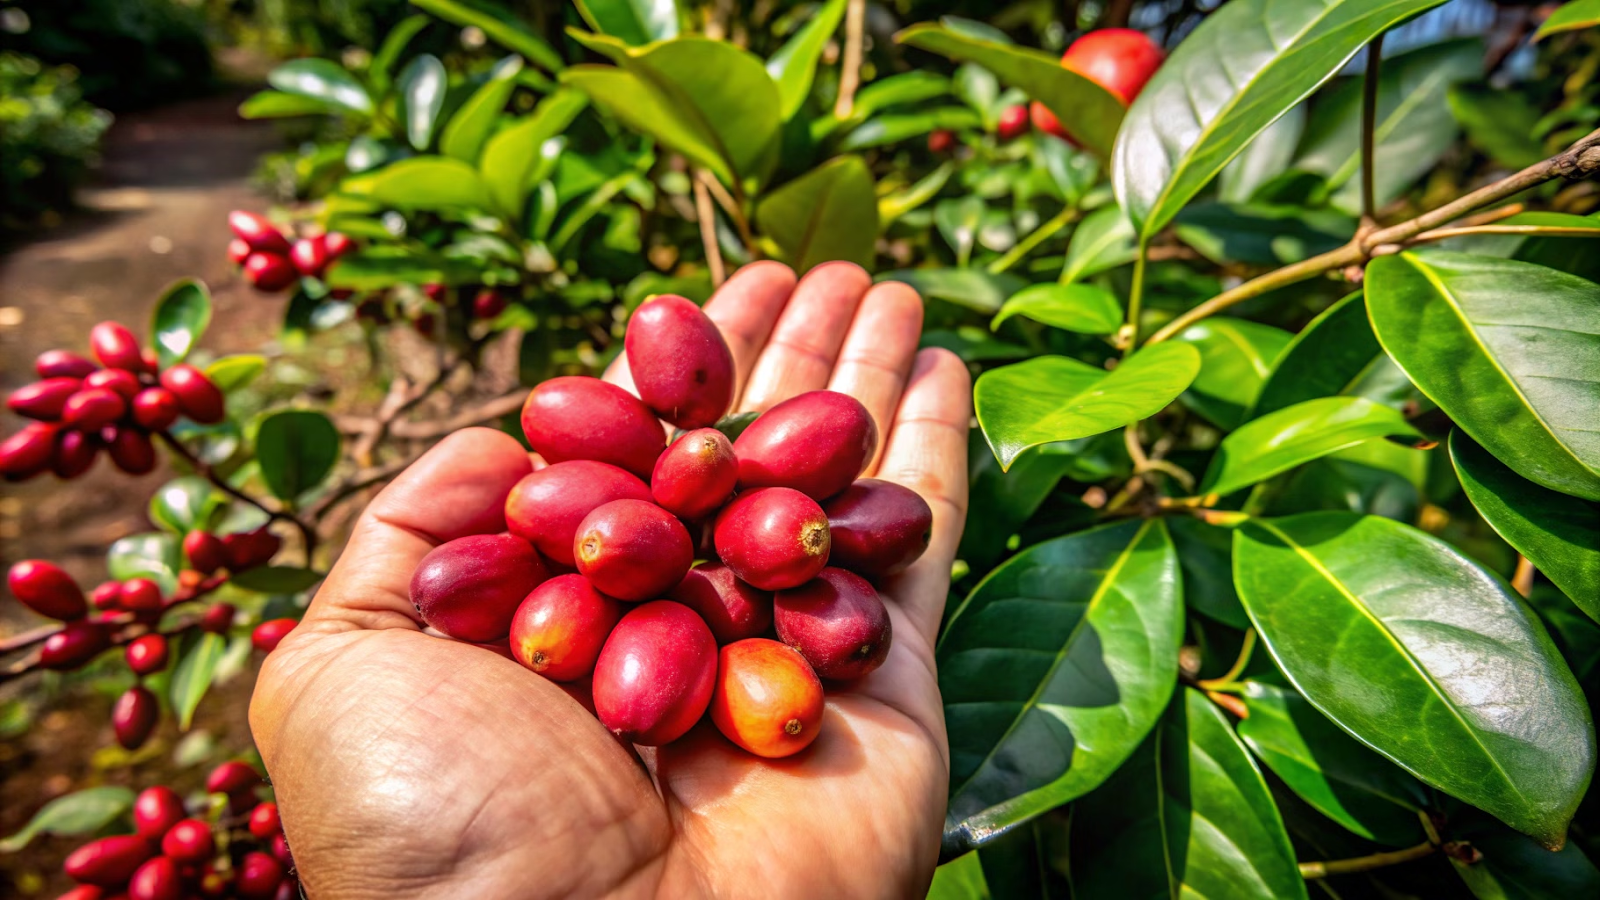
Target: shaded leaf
point(1331, 356)
point(1279, 441)
point(959, 879)
point(1515, 867)
point(1264, 158)
point(279, 105)
point(471, 125)
point(828, 213)
point(506, 32)
point(1103, 240)
point(1205, 554)
point(970, 288)
point(296, 449)
point(1236, 356)
point(1501, 123)
point(193, 673)
point(78, 813)
point(179, 321)
point(276, 579)
point(958, 221)
point(1260, 233)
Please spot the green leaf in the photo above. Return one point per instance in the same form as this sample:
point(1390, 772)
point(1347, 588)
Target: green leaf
point(1343, 779)
point(276, 579)
point(958, 221)
point(1188, 816)
point(1053, 670)
point(1558, 533)
point(179, 320)
point(999, 502)
point(633, 22)
point(1509, 350)
point(1333, 355)
point(77, 813)
point(1501, 123)
point(430, 183)
point(970, 288)
point(1236, 356)
point(893, 206)
point(1205, 554)
point(185, 504)
point(1244, 66)
point(892, 128)
point(959, 879)
point(512, 155)
point(152, 555)
point(231, 373)
point(903, 89)
point(1103, 240)
point(1423, 656)
point(191, 677)
point(323, 80)
point(1262, 234)
point(279, 105)
point(1263, 159)
point(1516, 868)
point(382, 267)
point(830, 212)
point(380, 71)
point(471, 125)
point(1310, 429)
point(1571, 16)
point(423, 84)
point(1053, 398)
point(795, 63)
point(1086, 110)
point(707, 99)
point(1082, 308)
point(297, 449)
point(508, 33)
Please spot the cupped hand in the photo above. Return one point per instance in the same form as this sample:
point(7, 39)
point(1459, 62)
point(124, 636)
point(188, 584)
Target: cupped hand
point(407, 765)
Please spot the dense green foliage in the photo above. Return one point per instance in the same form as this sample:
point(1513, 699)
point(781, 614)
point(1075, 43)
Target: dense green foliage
point(48, 137)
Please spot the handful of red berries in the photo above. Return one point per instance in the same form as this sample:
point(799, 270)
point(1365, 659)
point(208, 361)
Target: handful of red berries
point(270, 261)
point(597, 573)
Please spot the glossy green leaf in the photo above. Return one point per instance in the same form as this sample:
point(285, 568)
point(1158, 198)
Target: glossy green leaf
point(1053, 670)
point(795, 63)
point(1501, 123)
point(1423, 656)
point(276, 579)
point(1342, 778)
point(1053, 398)
point(1558, 533)
point(1236, 355)
point(78, 813)
point(506, 32)
point(323, 80)
point(1082, 308)
point(1205, 554)
point(1514, 867)
point(1188, 816)
point(1264, 158)
point(959, 879)
point(279, 105)
point(185, 504)
point(1245, 65)
point(970, 288)
point(1103, 240)
point(903, 89)
point(153, 555)
point(1379, 478)
point(1510, 350)
point(383, 267)
point(634, 22)
point(1331, 356)
point(296, 449)
point(470, 127)
point(1085, 109)
point(1310, 429)
point(828, 213)
point(423, 84)
point(893, 206)
point(1030, 861)
point(892, 128)
point(1262, 234)
point(179, 320)
point(1575, 634)
point(193, 673)
point(430, 183)
point(231, 373)
point(1571, 16)
point(512, 155)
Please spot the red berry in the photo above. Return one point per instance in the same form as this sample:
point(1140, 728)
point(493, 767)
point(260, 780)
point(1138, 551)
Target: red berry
point(337, 244)
point(732, 609)
point(280, 850)
point(218, 618)
point(238, 251)
point(232, 777)
point(269, 272)
point(816, 443)
point(132, 451)
point(264, 820)
point(559, 629)
point(269, 634)
point(116, 347)
point(108, 862)
point(256, 231)
point(310, 256)
point(248, 549)
point(135, 716)
point(83, 892)
point(1120, 60)
point(470, 587)
point(488, 303)
point(156, 810)
point(62, 364)
point(74, 455)
point(205, 551)
point(435, 292)
point(578, 417)
point(1013, 122)
point(157, 879)
point(147, 654)
point(46, 589)
point(288, 889)
point(546, 506)
point(258, 877)
point(767, 699)
point(75, 644)
point(941, 140)
point(29, 451)
point(633, 549)
point(680, 364)
point(837, 622)
point(655, 674)
point(156, 408)
point(773, 538)
point(878, 527)
point(122, 381)
point(197, 396)
point(107, 596)
point(140, 595)
point(93, 408)
point(43, 399)
point(189, 842)
point(696, 474)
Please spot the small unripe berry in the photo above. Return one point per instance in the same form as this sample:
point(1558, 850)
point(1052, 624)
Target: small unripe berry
point(140, 595)
point(215, 885)
point(93, 408)
point(269, 634)
point(62, 364)
point(189, 841)
point(264, 820)
point(218, 618)
point(232, 778)
point(132, 451)
point(156, 810)
point(43, 400)
point(46, 589)
point(122, 381)
point(108, 862)
point(147, 654)
point(29, 451)
point(135, 716)
point(74, 645)
point(205, 551)
point(197, 396)
point(156, 408)
point(116, 347)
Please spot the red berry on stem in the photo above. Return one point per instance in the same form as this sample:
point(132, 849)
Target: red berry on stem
point(559, 629)
point(816, 443)
point(199, 399)
point(488, 303)
point(29, 451)
point(134, 716)
point(189, 841)
point(83, 892)
point(1013, 122)
point(767, 699)
point(633, 549)
point(310, 256)
point(269, 634)
point(157, 879)
point(116, 347)
point(75, 453)
point(75, 644)
point(264, 820)
point(578, 417)
point(155, 810)
point(269, 271)
point(140, 595)
point(156, 408)
point(231, 778)
point(238, 251)
point(773, 538)
point(46, 589)
point(132, 451)
point(280, 850)
point(1120, 60)
point(470, 587)
point(258, 877)
point(248, 549)
point(941, 140)
point(337, 244)
point(696, 474)
point(837, 622)
point(655, 674)
point(206, 551)
point(43, 399)
point(120, 380)
point(218, 618)
point(93, 408)
point(108, 862)
point(546, 506)
point(680, 364)
point(878, 527)
point(146, 654)
point(732, 609)
point(256, 231)
point(108, 595)
point(62, 364)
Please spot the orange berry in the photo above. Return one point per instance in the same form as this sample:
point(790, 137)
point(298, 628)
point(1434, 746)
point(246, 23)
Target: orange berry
point(767, 700)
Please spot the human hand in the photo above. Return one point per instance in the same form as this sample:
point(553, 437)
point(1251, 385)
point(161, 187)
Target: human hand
point(409, 765)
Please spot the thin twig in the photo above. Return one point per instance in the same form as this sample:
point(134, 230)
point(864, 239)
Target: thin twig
point(1326, 868)
point(308, 534)
point(1239, 663)
point(1522, 579)
point(708, 233)
point(1036, 237)
point(855, 26)
point(487, 411)
point(733, 209)
point(358, 482)
point(1369, 127)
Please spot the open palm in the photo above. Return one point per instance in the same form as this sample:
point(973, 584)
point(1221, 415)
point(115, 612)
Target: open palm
point(407, 765)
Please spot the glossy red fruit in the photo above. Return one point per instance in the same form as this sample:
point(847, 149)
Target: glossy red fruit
point(74, 645)
point(156, 408)
point(244, 550)
point(264, 821)
point(46, 589)
point(108, 862)
point(29, 451)
point(680, 364)
point(258, 877)
point(1120, 60)
point(116, 347)
point(767, 699)
point(1013, 122)
point(546, 506)
point(83, 892)
point(156, 810)
point(435, 292)
point(578, 417)
point(559, 629)
point(773, 538)
point(696, 475)
point(93, 408)
point(337, 244)
point(837, 622)
point(106, 596)
point(205, 551)
point(732, 609)
point(269, 272)
point(941, 140)
point(43, 399)
point(655, 674)
point(232, 778)
point(280, 850)
point(238, 251)
point(288, 889)
point(134, 716)
point(157, 879)
point(74, 455)
point(140, 595)
point(199, 399)
point(132, 451)
point(122, 381)
point(816, 443)
point(62, 364)
point(469, 588)
point(146, 655)
point(256, 231)
point(310, 256)
point(218, 618)
point(878, 527)
point(270, 633)
point(189, 841)
point(632, 549)
point(488, 303)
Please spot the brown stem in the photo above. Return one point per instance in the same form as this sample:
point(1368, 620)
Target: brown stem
point(1522, 579)
point(308, 535)
point(492, 409)
point(733, 209)
point(855, 26)
point(1326, 868)
point(708, 232)
point(1369, 127)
